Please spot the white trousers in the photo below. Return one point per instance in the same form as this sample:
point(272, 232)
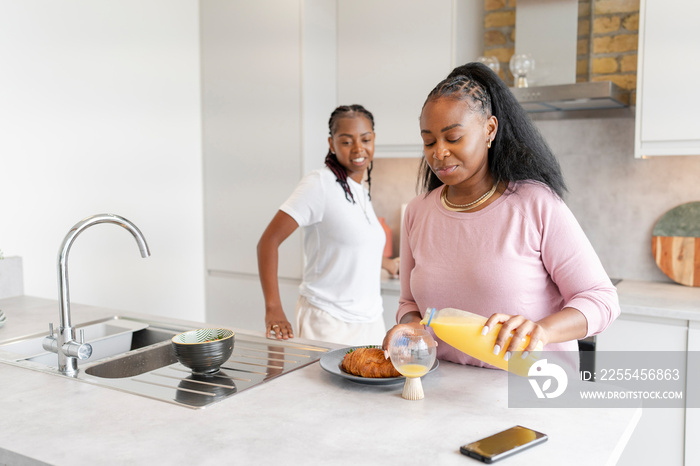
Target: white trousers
point(315, 324)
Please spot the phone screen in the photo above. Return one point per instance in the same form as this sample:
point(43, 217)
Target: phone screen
point(503, 444)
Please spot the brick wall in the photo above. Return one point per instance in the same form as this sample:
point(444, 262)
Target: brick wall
point(583, 43)
point(614, 37)
point(499, 33)
point(606, 47)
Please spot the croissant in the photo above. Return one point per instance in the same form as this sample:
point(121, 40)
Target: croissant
point(369, 362)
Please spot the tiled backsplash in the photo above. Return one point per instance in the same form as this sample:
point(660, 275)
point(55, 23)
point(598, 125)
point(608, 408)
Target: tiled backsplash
point(393, 184)
point(616, 198)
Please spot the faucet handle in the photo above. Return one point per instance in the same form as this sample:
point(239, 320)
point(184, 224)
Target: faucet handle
point(49, 342)
point(82, 336)
point(77, 350)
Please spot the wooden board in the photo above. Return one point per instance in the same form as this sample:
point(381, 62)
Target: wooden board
point(675, 244)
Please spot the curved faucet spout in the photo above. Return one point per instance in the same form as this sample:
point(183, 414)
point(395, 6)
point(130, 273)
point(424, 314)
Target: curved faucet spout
point(68, 350)
point(64, 295)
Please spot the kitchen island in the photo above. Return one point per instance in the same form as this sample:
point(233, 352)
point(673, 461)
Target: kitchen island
point(308, 416)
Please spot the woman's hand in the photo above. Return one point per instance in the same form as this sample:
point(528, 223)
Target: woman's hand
point(518, 327)
point(276, 321)
point(393, 330)
point(565, 325)
point(391, 265)
point(409, 320)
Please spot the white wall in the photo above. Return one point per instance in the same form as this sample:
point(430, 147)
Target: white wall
point(100, 112)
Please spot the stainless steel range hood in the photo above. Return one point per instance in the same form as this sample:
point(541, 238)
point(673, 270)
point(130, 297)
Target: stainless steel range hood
point(547, 30)
point(579, 96)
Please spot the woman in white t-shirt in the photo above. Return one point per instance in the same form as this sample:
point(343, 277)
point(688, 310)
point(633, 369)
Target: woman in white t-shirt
point(339, 296)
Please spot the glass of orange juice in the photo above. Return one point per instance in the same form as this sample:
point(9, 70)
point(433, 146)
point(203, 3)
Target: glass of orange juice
point(412, 352)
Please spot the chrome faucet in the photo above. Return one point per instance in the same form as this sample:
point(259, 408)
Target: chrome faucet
point(64, 344)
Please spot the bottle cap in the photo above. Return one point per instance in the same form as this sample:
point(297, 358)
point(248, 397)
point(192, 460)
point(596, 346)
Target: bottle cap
point(429, 313)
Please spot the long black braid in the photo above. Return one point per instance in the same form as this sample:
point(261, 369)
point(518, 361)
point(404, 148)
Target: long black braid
point(518, 152)
point(341, 176)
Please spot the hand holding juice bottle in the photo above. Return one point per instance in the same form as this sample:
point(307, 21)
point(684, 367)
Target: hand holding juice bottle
point(462, 330)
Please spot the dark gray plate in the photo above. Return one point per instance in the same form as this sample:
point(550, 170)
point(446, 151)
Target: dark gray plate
point(331, 361)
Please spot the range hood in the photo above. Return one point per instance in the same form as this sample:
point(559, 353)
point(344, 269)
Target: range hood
point(547, 30)
point(600, 95)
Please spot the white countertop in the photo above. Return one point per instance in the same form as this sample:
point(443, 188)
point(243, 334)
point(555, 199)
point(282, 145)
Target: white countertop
point(305, 417)
point(656, 299)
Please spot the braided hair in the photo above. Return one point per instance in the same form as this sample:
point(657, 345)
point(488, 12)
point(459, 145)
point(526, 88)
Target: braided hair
point(518, 152)
point(341, 175)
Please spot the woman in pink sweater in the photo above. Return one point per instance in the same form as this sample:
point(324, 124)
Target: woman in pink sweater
point(492, 235)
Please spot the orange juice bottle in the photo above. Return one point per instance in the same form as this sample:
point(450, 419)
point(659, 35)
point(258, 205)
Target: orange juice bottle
point(462, 330)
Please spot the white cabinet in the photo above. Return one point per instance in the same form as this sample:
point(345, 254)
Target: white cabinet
point(390, 299)
point(267, 92)
point(692, 414)
point(667, 116)
point(638, 333)
point(392, 53)
point(272, 72)
point(251, 128)
point(658, 426)
point(236, 300)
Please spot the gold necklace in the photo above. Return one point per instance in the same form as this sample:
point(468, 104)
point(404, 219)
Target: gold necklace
point(464, 207)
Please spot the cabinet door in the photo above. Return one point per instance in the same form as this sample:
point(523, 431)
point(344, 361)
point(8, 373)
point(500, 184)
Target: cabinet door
point(637, 333)
point(392, 53)
point(658, 426)
point(251, 103)
point(236, 300)
point(667, 116)
point(692, 415)
point(390, 300)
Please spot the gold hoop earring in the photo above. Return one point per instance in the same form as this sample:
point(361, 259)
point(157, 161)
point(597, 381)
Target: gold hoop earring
point(488, 144)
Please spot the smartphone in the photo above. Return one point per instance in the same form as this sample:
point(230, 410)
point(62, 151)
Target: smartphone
point(503, 444)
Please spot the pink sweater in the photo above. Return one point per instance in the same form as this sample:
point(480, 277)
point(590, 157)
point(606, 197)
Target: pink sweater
point(524, 254)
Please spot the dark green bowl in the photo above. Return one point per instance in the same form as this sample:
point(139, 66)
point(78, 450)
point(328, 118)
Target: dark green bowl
point(204, 350)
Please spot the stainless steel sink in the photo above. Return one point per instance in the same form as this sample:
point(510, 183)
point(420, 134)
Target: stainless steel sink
point(134, 364)
point(155, 372)
point(108, 337)
point(148, 367)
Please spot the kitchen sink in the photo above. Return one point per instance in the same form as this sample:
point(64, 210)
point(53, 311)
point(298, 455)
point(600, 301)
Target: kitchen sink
point(155, 372)
point(108, 337)
point(134, 364)
point(136, 356)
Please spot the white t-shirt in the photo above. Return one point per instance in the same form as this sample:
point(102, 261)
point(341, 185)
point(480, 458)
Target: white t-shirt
point(342, 247)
